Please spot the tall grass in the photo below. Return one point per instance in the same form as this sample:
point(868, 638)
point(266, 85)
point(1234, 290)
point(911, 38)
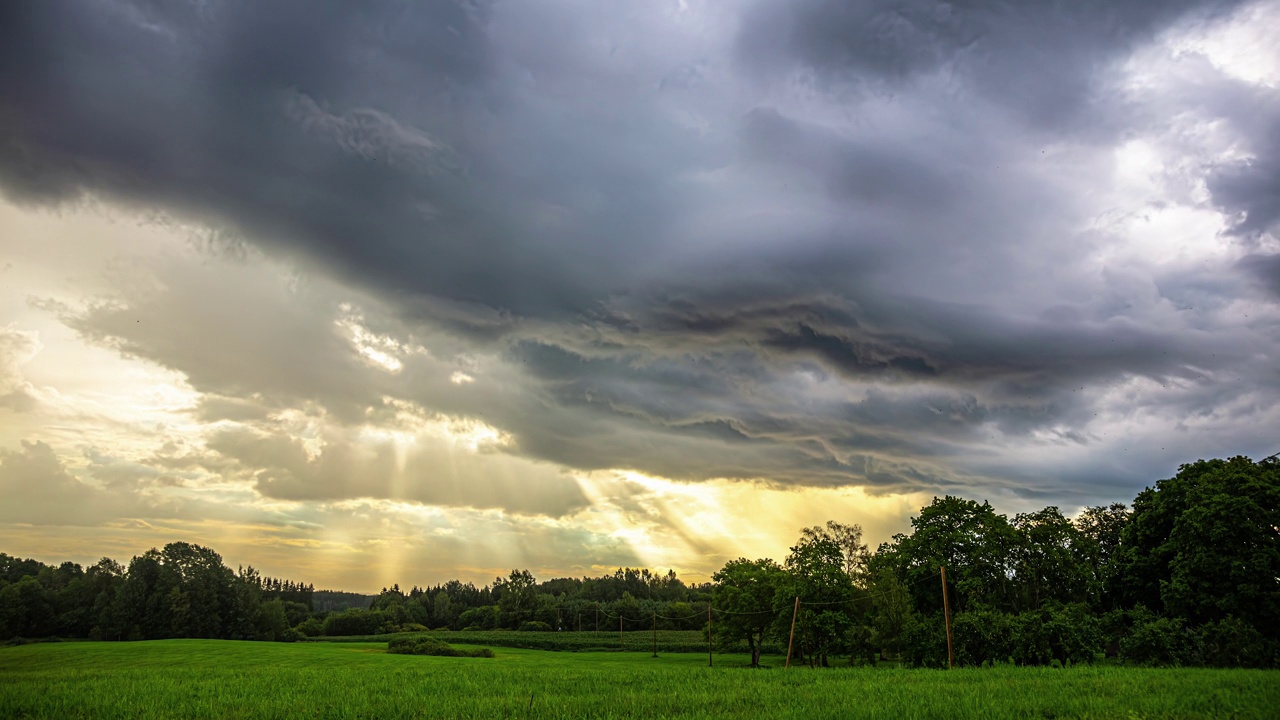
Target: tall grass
point(213, 679)
point(671, 641)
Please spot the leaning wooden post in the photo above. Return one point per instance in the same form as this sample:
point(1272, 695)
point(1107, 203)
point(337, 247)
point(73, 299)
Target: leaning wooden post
point(655, 633)
point(946, 612)
point(792, 638)
point(709, 663)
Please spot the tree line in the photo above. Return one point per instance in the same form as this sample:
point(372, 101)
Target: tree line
point(1189, 575)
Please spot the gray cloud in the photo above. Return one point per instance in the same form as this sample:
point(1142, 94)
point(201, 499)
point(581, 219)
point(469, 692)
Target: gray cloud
point(429, 472)
point(859, 243)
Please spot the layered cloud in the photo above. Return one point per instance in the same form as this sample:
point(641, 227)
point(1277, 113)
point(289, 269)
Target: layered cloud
point(471, 255)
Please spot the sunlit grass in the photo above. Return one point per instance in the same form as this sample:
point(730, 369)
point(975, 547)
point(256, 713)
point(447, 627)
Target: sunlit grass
point(218, 679)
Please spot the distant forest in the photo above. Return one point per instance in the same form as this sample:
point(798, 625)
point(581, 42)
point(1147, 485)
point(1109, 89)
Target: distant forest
point(1189, 575)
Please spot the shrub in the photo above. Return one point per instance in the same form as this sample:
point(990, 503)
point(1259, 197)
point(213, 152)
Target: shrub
point(534, 626)
point(1231, 642)
point(356, 621)
point(432, 646)
point(1160, 641)
point(292, 635)
point(1062, 633)
point(311, 627)
point(982, 637)
point(924, 641)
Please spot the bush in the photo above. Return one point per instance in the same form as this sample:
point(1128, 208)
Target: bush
point(432, 646)
point(534, 626)
point(356, 621)
point(292, 635)
point(924, 641)
point(311, 627)
point(982, 637)
point(1062, 633)
point(1231, 642)
point(1160, 641)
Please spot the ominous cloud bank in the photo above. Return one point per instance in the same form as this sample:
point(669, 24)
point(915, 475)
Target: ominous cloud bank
point(989, 247)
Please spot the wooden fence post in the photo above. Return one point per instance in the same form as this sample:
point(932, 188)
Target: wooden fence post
point(946, 611)
point(792, 637)
point(709, 662)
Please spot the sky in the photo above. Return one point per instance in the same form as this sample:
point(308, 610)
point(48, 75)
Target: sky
point(398, 292)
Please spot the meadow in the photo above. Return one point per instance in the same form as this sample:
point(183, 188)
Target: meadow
point(227, 679)
point(668, 641)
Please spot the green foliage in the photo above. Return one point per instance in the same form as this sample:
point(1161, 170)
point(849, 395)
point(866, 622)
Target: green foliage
point(974, 543)
point(1203, 546)
point(815, 573)
point(982, 637)
point(433, 646)
point(25, 610)
point(1053, 560)
point(1231, 642)
point(534, 626)
point(311, 627)
point(1155, 640)
point(891, 607)
point(924, 641)
point(356, 621)
point(747, 592)
point(1056, 633)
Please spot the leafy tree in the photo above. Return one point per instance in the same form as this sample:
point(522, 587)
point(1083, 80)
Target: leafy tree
point(890, 610)
point(1103, 528)
point(25, 610)
point(1065, 633)
point(272, 621)
point(973, 542)
point(1051, 559)
point(815, 574)
point(981, 636)
point(516, 597)
point(745, 592)
point(849, 538)
point(1203, 545)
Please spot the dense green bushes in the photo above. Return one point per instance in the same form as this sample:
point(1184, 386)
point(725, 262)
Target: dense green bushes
point(424, 645)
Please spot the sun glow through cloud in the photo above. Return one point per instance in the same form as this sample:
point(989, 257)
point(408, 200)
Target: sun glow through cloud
point(591, 287)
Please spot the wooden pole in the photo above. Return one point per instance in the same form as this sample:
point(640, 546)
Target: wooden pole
point(709, 662)
point(621, 645)
point(946, 612)
point(655, 633)
point(792, 638)
point(597, 618)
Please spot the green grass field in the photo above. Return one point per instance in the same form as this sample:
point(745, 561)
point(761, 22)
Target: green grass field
point(218, 679)
point(675, 641)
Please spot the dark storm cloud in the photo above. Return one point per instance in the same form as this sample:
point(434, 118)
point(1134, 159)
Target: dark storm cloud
point(823, 243)
point(1045, 59)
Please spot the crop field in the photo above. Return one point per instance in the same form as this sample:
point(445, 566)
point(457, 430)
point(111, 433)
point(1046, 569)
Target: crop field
point(224, 679)
point(678, 641)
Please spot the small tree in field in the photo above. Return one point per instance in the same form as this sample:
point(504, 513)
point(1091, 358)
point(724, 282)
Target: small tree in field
point(745, 590)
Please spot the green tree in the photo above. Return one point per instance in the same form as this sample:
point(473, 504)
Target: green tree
point(25, 610)
point(816, 574)
point(516, 597)
point(745, 591)
point(974, 543)
point(1051, 559)
point(890, 611)
point(1103, 529)
point(1203, 545)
